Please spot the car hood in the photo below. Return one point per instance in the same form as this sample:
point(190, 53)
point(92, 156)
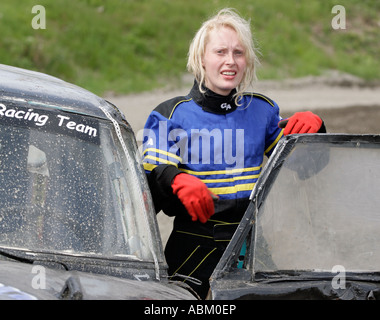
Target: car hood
point(21, 281)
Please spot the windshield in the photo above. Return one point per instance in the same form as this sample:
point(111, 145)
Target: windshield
point(66, 185)
point(323, 210)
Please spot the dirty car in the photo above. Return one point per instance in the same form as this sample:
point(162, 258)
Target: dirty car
point(76, 216)
point(312, 228)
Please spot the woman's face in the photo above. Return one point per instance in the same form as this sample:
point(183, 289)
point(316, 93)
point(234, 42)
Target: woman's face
point(224, 61)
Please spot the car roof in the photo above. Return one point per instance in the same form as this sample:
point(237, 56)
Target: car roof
point(47, 91)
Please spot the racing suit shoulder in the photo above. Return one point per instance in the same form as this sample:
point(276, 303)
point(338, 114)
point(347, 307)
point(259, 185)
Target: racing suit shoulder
point(167, 107)
point(260, 96)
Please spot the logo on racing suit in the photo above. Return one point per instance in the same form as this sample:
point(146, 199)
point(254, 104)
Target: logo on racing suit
point(226, 106)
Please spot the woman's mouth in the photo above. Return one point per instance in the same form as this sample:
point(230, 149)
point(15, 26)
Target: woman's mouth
point(228, 73)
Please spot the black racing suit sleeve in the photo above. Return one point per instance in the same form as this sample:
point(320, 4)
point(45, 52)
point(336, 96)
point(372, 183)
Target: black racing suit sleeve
point(160, 181)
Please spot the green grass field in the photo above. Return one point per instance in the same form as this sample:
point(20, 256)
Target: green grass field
point(127, 46)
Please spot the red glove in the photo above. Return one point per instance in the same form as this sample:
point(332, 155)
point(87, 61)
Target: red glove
point(301, 122)
point(195, 196)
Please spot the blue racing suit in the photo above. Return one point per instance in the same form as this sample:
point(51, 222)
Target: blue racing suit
point(223, 144)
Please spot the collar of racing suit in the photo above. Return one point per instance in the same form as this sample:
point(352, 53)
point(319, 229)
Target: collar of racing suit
point(213, 102)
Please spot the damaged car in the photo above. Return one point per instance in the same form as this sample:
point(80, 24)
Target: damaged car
point(76, 217)
point(311, 230)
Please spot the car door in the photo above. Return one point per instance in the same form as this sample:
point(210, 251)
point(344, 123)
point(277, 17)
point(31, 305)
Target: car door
point(312, 228)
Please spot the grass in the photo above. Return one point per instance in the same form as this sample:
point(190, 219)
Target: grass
point(127, 46)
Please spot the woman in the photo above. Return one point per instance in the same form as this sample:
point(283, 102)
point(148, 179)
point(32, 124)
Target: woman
point(204, 152)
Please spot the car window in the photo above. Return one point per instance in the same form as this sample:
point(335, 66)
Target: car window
point(67, 186)
point(322, 210)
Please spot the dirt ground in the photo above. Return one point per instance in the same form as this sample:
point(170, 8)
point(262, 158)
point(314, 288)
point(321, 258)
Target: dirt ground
point(345, 103)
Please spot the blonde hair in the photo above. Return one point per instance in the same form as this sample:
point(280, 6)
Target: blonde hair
point(224, 18)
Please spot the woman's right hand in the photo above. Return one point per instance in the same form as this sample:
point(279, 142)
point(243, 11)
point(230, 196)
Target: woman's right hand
point(195, 196)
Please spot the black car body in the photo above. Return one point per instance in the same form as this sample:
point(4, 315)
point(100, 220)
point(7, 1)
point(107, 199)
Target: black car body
point(76, 216)
point(312, 229)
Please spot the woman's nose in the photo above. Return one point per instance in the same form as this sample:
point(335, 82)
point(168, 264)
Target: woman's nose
point(230, 59)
